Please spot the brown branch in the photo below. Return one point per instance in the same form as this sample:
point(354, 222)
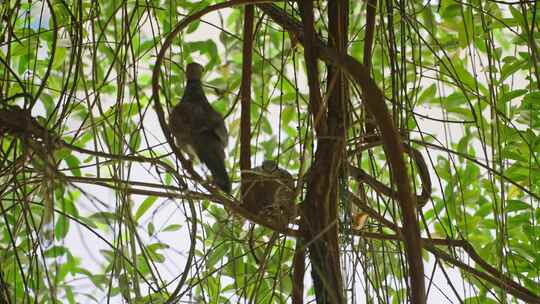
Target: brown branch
point(371, 11)
point(245, 92)
point(506, 281)
point(422, 169)
point(321, 197)
point(310, 55)
point(371, 212)
point(493, 276)
point(374, 101)
point(175, 193)
point(299, 268)
point(498, 279)
point(395, 237)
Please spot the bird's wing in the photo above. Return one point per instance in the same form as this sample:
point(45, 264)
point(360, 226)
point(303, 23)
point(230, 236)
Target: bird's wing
point(206, 119)
point(180, 122)
point(193, 119)
point(218, 126)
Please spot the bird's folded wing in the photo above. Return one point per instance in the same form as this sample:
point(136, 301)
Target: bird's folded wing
point(208, 119)
point(181, 121)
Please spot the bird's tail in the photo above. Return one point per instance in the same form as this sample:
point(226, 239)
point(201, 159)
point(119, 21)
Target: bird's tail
point(214, 159)
point(219, 173)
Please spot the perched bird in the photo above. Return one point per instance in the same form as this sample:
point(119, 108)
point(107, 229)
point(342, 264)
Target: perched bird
point(269, 191)
point(199, 129)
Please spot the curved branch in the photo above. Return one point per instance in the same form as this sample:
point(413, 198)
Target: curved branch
point(363, 177)
point(189, 261)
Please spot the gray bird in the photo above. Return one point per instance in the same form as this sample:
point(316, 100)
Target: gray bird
point(199, 129)
point(270, 192)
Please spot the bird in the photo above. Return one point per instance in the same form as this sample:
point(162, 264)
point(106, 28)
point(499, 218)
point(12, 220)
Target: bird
point(199, 129)
point(270, 192)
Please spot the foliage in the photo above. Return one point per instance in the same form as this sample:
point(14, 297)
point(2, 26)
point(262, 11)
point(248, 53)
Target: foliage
point(96, 209)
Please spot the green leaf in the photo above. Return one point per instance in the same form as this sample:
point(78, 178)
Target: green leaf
point(68, 206)
point(193, 26)
point(531, 101)
point(151, 229)
point(69, 294)
point(61, 228)
point(516, 205)
point(519, 219)
point(135, 141)
point(105, 217)
point(508, 69)
point(56, 251)
point(59, 57)
point(216, 255)
point(146, 204)
point(287, 115)
point(511, 95)
point(172, 227)
point(73, 164)
point(428, 95)
point(153, 251)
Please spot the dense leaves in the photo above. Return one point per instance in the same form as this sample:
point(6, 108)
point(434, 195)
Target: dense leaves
point(96, 207)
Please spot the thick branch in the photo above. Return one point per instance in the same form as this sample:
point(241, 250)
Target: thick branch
point(393, 147)
point(371, 10)
point(321, 196)
point(245, 91)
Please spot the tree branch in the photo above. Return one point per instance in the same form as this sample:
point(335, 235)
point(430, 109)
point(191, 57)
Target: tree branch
point(245, 92)
point(374, 101)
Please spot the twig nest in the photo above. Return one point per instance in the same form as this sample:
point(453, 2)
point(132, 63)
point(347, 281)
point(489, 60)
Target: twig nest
point(269, 191)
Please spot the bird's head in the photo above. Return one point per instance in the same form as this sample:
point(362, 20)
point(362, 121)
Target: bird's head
point(194, 71)
point(269, 165)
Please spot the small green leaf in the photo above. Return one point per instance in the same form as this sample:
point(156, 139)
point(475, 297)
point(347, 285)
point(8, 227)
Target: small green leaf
point(151, 229)
point(56, 251)
point(510, 68)
point(153, 251)
point(59, 57)
point(428, 95)
point(193, 26)
point(216, 255)
point(135, 141)
point(516, 205)
point(511, 95)
point(61, 228)
point(104, 217)
point(531, 101)
point(172, 227)
point(146, 204)
point(73, 164)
